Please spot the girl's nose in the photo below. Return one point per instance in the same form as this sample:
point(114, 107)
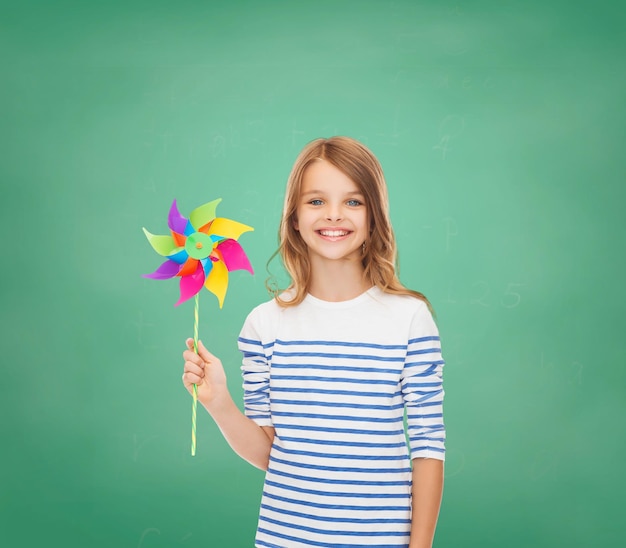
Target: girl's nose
point(333, 217)
point(333, 214)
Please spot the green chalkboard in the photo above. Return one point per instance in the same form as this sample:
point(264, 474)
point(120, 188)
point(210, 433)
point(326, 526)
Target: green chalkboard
point(500, 126)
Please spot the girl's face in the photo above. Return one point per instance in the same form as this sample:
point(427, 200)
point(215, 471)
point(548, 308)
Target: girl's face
point(331, 215)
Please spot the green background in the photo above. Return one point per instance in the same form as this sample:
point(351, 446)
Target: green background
point(500, 126)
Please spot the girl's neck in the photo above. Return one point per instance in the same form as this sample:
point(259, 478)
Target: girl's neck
point(337, 281)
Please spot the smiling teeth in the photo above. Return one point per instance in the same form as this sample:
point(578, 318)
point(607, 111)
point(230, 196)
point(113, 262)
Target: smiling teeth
point(333, 233)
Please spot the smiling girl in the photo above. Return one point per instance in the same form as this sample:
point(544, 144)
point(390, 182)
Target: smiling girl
point(329, 367)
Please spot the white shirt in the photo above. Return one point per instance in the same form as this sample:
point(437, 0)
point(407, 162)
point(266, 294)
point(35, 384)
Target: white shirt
point(334, 379)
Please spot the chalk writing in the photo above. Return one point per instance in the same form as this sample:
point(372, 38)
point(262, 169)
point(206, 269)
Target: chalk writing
point(451, 231)
point(408, 42)
point(140, 324)
point(483, 295)
point(455, 463)
point(216, 146)
point(483, 292)
point(392, 138)
point(150, 185)
point(455, 10)
point(570, 372)
point(147, 532)
point(165, 139)
point(511, 297)
point(450, 128)
point(138, 446)
point(449, 299)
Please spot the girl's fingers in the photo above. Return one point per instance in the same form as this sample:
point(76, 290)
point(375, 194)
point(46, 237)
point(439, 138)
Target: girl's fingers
point(195, 364)
point(191, 356)
point(191, 378)
point(193, 373)
point(205, 354)
point(194, 368)
point(202, 351)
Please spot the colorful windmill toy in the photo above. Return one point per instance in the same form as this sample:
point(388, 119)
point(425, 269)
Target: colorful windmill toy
point(201, 251)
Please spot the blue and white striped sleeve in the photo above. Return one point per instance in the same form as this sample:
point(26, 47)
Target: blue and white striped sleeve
point(422, 388)
point(256, 373)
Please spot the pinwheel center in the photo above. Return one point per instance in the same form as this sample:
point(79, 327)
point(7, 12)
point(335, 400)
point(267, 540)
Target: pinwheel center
point(199, 245)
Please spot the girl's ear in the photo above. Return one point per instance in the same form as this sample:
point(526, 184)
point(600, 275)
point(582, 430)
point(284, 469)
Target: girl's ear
point(294, 223)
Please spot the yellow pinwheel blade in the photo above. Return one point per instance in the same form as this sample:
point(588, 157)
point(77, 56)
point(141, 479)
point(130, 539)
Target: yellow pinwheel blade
point(228, 229)
point(217, 281)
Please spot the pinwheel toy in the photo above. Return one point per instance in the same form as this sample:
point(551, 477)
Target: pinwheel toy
point(201, 251)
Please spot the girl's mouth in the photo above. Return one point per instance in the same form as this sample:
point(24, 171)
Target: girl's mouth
point(333, 233)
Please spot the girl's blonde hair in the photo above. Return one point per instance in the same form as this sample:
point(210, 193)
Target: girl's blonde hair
point(379, 253)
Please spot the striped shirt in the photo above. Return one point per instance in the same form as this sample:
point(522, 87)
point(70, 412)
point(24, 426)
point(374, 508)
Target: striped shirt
point(334, 380)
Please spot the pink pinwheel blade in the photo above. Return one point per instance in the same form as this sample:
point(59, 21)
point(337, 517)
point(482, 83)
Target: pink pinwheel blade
point(167, 270)
point(234, 256)
point(191, 285)
point(175, 220)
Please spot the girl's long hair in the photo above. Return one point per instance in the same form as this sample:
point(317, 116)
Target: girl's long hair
point(379, 254)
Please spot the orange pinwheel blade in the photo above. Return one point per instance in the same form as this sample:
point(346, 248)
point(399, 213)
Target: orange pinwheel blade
point(188, 268)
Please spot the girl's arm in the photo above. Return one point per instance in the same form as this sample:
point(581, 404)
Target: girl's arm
point(426, 500)
point(249, 440)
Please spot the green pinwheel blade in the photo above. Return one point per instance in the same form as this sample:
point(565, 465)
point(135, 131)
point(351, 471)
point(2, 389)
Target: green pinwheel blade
point(163, 245)
point(203, 214)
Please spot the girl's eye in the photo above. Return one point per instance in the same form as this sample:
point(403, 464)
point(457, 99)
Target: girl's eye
point(354, 203)
point(316, 202)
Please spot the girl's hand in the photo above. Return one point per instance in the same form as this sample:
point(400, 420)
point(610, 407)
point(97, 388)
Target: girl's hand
point(206, 371)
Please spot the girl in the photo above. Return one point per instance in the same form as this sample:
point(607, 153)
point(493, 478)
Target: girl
point(330, 365)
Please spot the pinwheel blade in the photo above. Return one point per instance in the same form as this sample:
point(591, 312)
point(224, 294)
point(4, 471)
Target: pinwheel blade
point(179, 255)
point(234, 256)
point(189, 229)
point(163, 245)
point(204, 214)
point(189, 267)
point(191, 285)
point(217, 281)
point(167, 270)
point(179, 239)
point(175, 220)
point(207, 264)
point(228, 229)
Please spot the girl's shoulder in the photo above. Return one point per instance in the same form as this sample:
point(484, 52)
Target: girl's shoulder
point(266, 314)
point(267, 308)
point(401, 302)
point(403, 309)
